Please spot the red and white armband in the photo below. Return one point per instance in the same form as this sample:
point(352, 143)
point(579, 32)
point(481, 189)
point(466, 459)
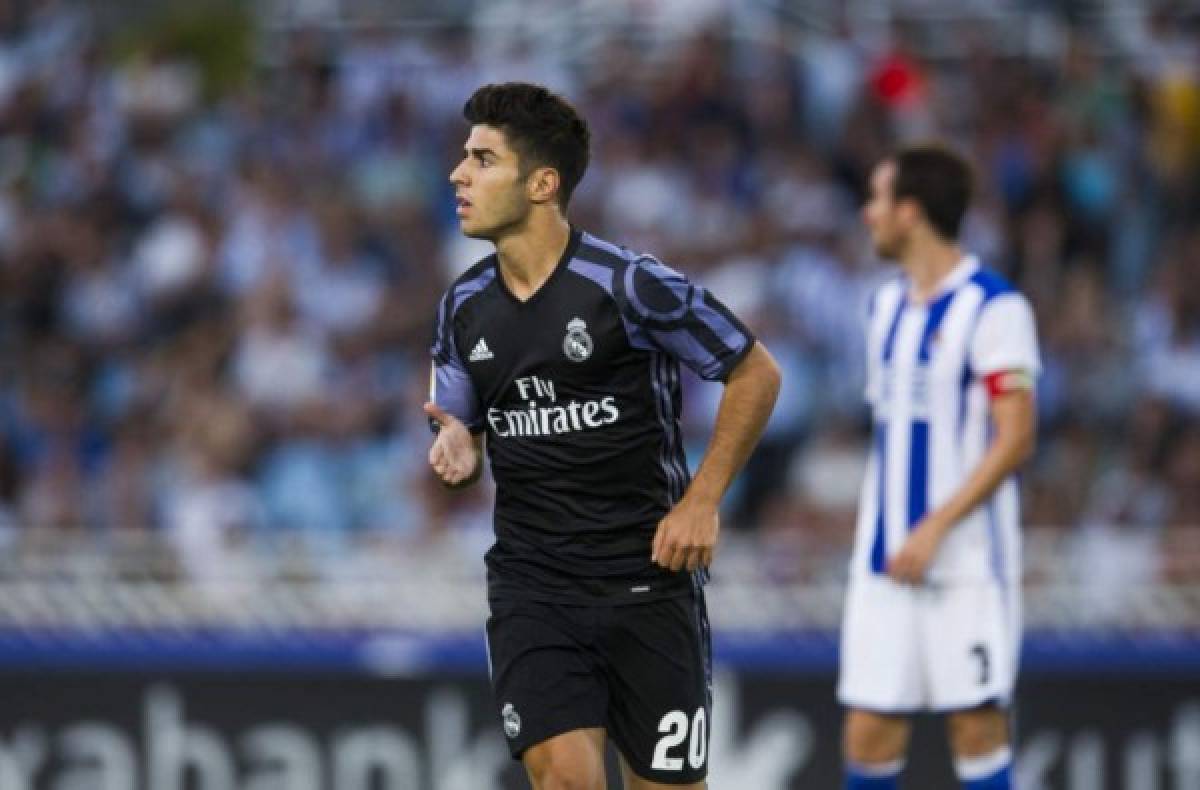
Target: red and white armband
point(1003, 382)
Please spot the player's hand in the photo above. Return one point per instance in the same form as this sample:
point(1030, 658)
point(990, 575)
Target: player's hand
point(452, 456)
point(686, 537)
point(912, 562)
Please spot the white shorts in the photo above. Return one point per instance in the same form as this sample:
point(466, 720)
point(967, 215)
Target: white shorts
point(930, 648)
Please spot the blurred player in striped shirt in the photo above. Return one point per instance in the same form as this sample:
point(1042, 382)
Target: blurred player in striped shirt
point(932, 621)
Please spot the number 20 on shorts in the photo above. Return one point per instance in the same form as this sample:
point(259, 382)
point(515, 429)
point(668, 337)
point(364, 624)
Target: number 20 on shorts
point(675, 725)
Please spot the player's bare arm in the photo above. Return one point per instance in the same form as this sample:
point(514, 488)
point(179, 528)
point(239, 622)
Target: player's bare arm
point(1014, 416)
point(687, 535)
point(456, 456)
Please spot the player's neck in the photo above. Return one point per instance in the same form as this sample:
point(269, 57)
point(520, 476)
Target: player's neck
point(927, 264)
point(528, 257)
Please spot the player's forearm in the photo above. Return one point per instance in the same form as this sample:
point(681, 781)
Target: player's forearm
point(1012, 446)
point(746, 404)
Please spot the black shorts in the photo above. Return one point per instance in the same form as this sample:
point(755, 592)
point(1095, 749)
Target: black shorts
point(641, 671)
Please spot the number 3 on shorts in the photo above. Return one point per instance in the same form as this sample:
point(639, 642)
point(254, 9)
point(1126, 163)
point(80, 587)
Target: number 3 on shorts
point(980, 652)
point(675, 725)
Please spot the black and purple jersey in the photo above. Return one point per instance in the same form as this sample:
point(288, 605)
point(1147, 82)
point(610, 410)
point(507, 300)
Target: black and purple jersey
point(578, 391)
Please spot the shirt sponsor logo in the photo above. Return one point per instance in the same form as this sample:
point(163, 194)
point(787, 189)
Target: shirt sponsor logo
point(919, 382)
point(554, 419)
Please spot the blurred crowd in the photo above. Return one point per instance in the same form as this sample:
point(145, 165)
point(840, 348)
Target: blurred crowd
point(217, 284)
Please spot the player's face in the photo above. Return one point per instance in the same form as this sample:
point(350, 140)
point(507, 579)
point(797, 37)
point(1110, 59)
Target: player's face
point(488, 186)
point(880, 213)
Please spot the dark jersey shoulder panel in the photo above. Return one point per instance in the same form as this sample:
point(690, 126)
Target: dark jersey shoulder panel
point(666, 311)
point(578, 391)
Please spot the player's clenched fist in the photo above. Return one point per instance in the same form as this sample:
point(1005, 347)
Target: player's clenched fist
point(454, 455)
point(686, 537)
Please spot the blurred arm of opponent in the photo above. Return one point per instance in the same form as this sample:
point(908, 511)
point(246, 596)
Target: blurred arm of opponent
point(687, 535)
point(1014, 417)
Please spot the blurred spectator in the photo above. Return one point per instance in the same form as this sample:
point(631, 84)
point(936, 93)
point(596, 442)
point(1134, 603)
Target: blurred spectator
point(279, 363)
point(218, 275)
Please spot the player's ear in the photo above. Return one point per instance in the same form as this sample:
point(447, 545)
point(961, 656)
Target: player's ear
point(908, 211)
point(542, 185)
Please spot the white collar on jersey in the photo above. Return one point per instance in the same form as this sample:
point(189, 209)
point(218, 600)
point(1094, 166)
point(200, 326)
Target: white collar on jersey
point(961, 272)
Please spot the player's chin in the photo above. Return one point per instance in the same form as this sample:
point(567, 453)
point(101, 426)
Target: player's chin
point(474, 231)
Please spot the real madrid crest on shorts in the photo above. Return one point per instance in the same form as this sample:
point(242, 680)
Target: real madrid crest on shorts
point(512, 720)
point(577, 345)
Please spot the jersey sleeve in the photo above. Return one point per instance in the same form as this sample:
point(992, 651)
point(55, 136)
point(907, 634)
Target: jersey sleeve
point(1005, 338)
point(685, 320)
point(450, 387)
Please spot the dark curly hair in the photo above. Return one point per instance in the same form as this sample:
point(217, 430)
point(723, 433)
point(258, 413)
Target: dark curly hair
point(542, 127)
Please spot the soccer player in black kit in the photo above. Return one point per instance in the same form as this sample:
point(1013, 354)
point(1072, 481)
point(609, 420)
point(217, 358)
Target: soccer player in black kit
point(564, 351)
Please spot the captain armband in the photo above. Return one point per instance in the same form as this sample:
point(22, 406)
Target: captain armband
point(1006, 381)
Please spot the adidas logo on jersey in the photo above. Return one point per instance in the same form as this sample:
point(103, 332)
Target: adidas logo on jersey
point(481, 352)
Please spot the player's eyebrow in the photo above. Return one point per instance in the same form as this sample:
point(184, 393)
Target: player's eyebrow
point(481, 152)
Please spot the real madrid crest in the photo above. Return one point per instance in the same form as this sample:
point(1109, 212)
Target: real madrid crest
point(512, 720)
point(577, 345)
